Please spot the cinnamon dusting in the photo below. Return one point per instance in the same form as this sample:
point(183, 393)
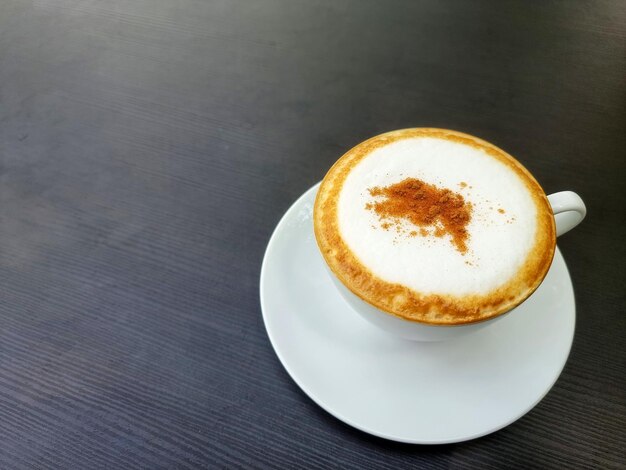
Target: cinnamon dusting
point(424, 205)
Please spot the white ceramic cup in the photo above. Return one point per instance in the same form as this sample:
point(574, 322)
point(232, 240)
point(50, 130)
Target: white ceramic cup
point(569, 210)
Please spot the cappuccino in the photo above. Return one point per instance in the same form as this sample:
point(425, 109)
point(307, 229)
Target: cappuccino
point(434, 226)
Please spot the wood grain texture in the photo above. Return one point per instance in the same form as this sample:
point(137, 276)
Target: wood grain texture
point(147, 150)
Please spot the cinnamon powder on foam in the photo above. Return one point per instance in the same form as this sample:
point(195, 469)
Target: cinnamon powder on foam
point(424, 205)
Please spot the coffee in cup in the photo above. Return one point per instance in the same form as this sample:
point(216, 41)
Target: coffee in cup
point(434, 226)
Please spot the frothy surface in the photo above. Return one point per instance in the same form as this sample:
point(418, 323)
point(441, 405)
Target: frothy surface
point(501, 231)
point(435, 226)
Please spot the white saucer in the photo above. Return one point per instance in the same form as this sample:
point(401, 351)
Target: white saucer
point(422, 393)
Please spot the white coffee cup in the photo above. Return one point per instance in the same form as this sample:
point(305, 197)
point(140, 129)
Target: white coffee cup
point(569, 210)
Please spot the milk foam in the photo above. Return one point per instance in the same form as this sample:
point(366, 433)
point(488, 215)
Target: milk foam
point(498, 242)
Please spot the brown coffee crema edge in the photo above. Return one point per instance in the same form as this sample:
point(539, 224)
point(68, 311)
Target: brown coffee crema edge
point(401, 301)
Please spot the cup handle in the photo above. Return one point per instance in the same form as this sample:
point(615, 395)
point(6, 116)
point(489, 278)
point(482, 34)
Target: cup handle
point(569, 210)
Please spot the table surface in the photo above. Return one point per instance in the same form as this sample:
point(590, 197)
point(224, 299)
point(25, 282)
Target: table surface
point(147, 150)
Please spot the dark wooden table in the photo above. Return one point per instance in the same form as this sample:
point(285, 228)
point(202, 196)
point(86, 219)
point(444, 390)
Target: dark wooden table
point(149, 147)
